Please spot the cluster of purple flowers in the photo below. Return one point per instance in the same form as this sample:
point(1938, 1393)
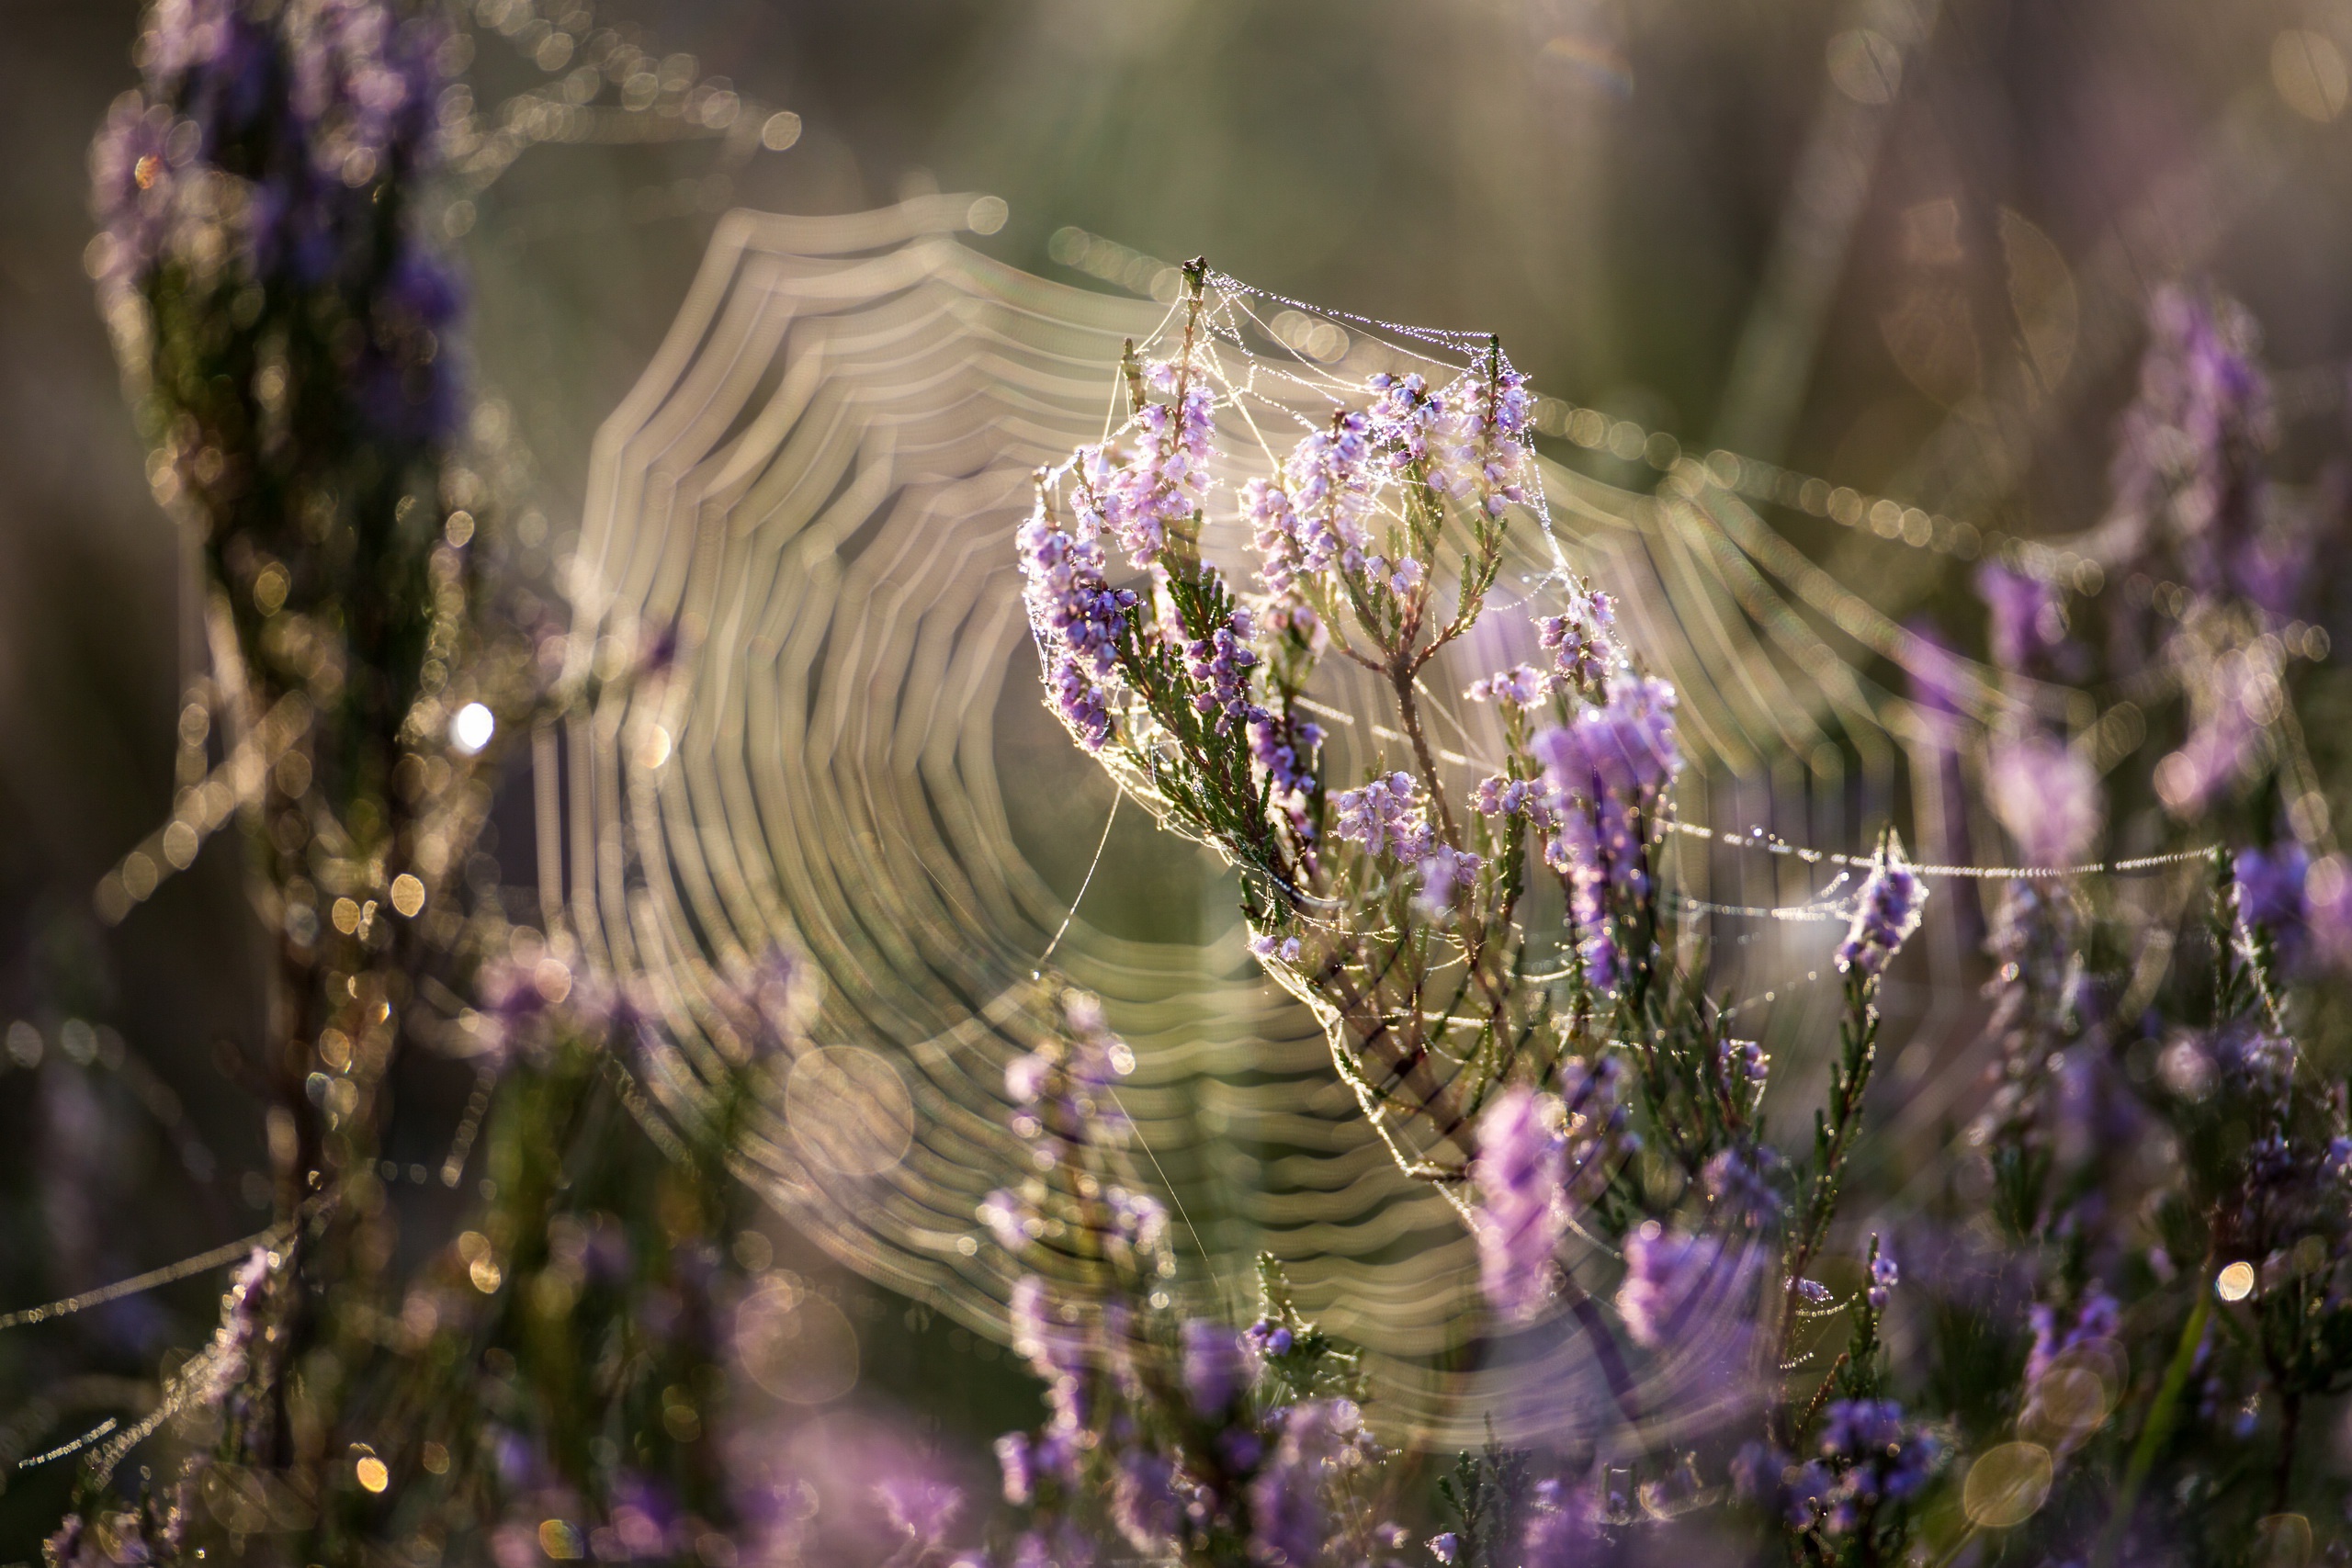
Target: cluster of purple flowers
point(2303, 906)
point(1692, 1291)
point(1387, 816)
point(1540, 1157)
point(1871, 1456)
point(1160, 480)
point(270, 149)
point(1582, 639)
point(1331, 496)
point(1079, 619)
point(1219, 665)
point(1886, 911)
point(1606, 769)
point(2189, 470)
point(1521, 1172)
point(1466, 442)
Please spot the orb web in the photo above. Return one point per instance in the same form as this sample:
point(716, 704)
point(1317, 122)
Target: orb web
point(811, 493)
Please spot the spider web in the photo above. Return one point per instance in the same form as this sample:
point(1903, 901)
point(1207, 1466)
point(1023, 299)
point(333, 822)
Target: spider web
point(817, 481)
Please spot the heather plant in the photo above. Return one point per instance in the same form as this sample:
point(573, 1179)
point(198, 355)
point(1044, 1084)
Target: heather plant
point(530, 1370)
point(1577, 1093)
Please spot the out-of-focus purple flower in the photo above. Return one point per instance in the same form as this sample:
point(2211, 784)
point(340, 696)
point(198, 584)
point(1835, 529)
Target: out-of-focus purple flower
point(1677, 1284)
point(920, 1508)
point(1766, 1474)
point(1522, 685)
point(1288, 1514)
point(1046, 1334)
point(1885, 1457)
point(1215, 1366)
point(1623, 747)
point(2097, 1316)
point(1139, 1220)
point(2234, 697)
point(2188, 475)
point(1521, 1209)
point(2270, 890)
point(1144, 1504)
point(1886, 911)
point(1387, 817)
point(2047, 795)
point(2328, 906)
point(1563, 1528)
point(1017, 1456)
point(1742, 1180)
point(1067, 1546)
point(1446, 873)
point(2027, 616)
point(1008, 1219)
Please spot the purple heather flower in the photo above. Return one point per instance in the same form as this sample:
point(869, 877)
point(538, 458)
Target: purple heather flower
point(1267, 1338)
point(1282, 950)
point(1886, 911)
point(1215, 1365)
point(1165, 479)
point(1445, 1547)
point(1387, 817)
point(1887, 1459)
point(1519, 1169)
point(1522, 685)
point(2270, 889)
point(1284, 744)
point(1500, 796)
point(1885, 1277)
point(1219, 665)
point(1077, 619)
point(1274, 529)
point(1582, 638)
point(1331, 492)
point(1605, 768)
